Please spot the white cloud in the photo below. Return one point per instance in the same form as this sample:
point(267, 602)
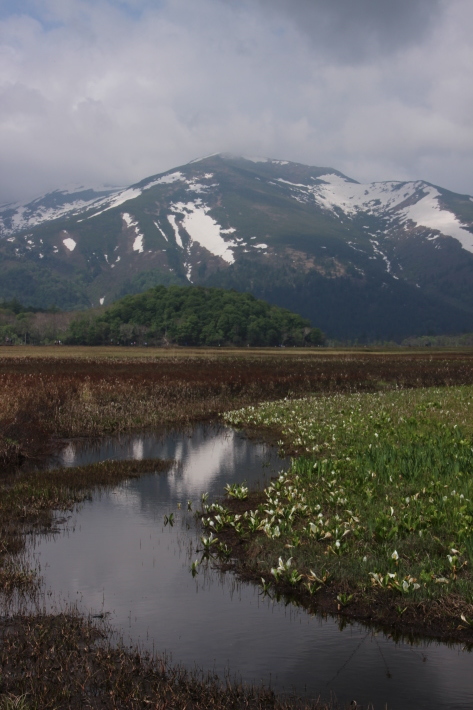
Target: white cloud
point(112, 92)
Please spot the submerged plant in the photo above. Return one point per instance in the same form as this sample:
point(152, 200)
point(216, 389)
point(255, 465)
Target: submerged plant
point(194, 567)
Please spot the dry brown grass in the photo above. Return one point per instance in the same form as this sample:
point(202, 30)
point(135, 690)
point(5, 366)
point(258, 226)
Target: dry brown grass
point(48, 397)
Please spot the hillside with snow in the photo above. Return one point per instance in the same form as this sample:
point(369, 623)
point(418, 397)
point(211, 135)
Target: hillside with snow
point(377, 260)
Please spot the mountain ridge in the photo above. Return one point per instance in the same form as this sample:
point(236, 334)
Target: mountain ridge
point(385, 259)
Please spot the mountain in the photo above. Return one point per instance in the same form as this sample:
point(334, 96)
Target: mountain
point(367, 261)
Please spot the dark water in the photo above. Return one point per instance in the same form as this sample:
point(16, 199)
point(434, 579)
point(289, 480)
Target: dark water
point(116, 555)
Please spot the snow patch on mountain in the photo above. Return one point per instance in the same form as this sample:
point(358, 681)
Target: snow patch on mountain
point(130, 194)
point(427, 212)
point(259, 159)
point(333, 192)
point(138, 244)
point(199, 160)
point(128, 219)
point(58, 204)
point(350, 197)
point(202, 228)
point(188, 267)
point(132, 223)
point(15, 219)
point(387, 200)
point(193, 184)
point(198, 187)
point(160, 230)
point(69, 243)
point(165, 180)
point(255, 159)
point(173, 223)
point(377, 250)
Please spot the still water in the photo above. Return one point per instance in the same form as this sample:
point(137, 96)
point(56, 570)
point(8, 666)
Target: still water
point(115, 556)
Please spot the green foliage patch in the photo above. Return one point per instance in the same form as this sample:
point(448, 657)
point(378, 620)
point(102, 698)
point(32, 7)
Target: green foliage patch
point(380, 496)
point(194, 316)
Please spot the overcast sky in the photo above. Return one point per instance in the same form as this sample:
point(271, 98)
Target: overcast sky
point(112, 91)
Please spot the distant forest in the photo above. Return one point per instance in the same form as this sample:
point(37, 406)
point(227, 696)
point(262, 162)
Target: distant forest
point(195, 316)
point(184, 316)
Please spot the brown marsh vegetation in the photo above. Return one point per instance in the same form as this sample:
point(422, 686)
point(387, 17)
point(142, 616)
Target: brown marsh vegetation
point(66, 663)
point(43, 399)
point(47, 395)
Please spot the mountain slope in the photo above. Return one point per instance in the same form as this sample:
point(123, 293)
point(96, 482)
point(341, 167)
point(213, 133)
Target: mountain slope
point(381, 260)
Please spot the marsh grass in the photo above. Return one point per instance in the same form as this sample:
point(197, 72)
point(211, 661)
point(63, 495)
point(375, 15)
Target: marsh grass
point(62, 661)
point(92, 394)
point(376, 512)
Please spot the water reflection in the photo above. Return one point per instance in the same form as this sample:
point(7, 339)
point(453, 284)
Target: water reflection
point(202, 457)
point(117, 555)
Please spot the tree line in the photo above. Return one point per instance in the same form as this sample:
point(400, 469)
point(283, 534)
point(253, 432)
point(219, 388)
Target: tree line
point(193, 315)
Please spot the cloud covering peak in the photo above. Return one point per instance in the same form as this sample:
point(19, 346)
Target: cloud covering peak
point(112, 91)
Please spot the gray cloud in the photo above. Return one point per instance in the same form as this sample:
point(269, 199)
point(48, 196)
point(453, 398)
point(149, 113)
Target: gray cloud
point(111, 92)
point(354, 30)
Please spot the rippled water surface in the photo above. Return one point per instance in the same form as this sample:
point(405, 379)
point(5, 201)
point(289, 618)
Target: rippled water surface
point(116, 555)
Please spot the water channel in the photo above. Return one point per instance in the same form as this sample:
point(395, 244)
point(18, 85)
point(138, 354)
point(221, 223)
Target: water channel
point(115, 556)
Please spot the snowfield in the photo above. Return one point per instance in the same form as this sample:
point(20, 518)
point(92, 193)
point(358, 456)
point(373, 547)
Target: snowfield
point(69, 243)
point(161, 231)
point(202, 228)
point(428, 213)
point(132, 223)
point(172, 222)
point(165, 180)
point(402, 202)
point(118, 200)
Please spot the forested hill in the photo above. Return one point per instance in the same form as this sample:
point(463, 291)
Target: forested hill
point(193, 316)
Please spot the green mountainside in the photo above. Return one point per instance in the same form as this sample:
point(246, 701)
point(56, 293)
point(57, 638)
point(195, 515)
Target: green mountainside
point(376, 261)
point(193, 316)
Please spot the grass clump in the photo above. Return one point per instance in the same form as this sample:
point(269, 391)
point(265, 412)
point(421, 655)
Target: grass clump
point(375, 515)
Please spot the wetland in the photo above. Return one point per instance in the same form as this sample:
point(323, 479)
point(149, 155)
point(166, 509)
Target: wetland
point(129, 489)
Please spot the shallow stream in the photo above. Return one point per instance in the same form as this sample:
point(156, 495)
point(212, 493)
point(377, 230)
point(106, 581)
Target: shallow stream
point(115, 556)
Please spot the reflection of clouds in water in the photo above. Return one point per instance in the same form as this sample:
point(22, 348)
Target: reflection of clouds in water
point(121, 558)
point(206, 458)
point(200, 463)
point(138, 449)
